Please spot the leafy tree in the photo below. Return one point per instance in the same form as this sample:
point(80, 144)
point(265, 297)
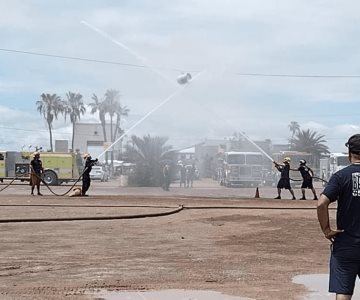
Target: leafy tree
point(49, 107)
point(74, 107)
point(310, 142)
point(149, 154)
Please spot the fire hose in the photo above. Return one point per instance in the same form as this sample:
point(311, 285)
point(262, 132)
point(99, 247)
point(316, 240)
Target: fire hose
point(137, 216)
point(42, 180)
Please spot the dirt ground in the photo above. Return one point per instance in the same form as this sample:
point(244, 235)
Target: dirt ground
point(240, 246)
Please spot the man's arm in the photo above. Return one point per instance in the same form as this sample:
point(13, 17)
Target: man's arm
point(323, 217)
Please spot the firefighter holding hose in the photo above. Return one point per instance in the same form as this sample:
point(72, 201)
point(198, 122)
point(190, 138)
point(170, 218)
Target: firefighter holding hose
point(36, 172)
point(89, 163)
point(284, 181)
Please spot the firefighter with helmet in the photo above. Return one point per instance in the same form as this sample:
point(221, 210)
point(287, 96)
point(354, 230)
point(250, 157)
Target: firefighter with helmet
point(307, 175)
point(284, 181)
point(89, 163)
point(35, 173)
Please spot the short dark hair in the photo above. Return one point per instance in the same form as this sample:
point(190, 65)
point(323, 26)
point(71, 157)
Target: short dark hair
point(354, 144)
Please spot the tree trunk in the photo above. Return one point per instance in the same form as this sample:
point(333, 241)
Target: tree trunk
point(73, 135)
point(103, 125)
point(112, 150)
point(51, 143)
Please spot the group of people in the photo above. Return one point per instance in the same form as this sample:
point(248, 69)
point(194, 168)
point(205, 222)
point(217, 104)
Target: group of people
point(36, 173)
point(187, 176)
point(284, 181)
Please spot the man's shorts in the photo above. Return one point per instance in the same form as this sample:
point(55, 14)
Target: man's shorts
point(307, 184)
point(284, 183)
point(344, 267)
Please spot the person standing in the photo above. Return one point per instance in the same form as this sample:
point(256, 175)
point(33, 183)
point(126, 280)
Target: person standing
point(36, 172)
point(307, 175)
point(284, 181)
point(343, 187)
point(167, 177)
point(182, 175)
point(89, 163)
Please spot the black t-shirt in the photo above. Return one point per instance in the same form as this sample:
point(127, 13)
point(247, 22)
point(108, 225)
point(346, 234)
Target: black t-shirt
point(36, 165)
point(305, 172)
point(344, 186)
point(284, 171)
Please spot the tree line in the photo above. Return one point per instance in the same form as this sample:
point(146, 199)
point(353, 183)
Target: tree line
point(50, 106)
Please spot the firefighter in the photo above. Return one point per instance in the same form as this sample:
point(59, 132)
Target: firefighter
point(284, 181)
point(36, 172)
point(86, 173)
point(167, 177)
point(307, 175)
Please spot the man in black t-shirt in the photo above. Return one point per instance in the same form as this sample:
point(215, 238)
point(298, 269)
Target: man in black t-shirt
point(37, 169)
point(284, 181)
point(307, 175)
point(343, 187)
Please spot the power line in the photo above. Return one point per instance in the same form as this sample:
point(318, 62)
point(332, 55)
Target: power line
point(297, 76)
point(83, 59)
point(170, 68)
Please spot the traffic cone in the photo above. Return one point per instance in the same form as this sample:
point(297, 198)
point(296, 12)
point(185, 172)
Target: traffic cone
point(257, 193)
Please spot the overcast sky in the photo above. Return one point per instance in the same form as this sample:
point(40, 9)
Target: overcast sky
point(224, 39)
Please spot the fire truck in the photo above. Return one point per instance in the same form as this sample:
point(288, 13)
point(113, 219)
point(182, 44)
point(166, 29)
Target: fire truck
point(331, 164)
point(242, 168)
point(58, 167)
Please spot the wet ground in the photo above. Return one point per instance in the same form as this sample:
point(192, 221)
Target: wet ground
point(223, 240)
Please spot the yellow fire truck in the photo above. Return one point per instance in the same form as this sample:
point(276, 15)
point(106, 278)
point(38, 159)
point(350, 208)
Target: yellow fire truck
point(58, 167)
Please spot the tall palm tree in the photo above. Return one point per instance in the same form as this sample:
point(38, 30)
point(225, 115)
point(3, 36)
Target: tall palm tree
point(310, 142)
point(112, 100)
point(49, 107)
point(74, 107)
point(294, 128)
point(149, 154)
point(99, 106)
point(121, 111)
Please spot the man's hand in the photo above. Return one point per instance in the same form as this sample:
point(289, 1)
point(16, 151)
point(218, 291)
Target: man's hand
point(331, 234)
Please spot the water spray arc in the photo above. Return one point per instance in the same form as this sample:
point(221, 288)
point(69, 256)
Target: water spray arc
point(129, 50)
point(142, 59)
point(257, 146)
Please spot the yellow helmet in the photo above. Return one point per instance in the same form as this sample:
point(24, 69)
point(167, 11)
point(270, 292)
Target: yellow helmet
point(86, 155)
point(36, 153)
point(287, 159)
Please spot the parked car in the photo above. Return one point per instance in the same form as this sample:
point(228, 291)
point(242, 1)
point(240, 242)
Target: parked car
point(99, 173)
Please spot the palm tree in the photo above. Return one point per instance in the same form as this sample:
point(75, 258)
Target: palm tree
point(149, 154)
point(310, 142)
point(49, 107)
point(74, 107)
point(294, 128)
point(121, 111)
point(112, 100)
point(99, 106)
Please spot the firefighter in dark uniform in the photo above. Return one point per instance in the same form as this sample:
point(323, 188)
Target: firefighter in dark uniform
point(86, 173)
point(284, 181)
point(167, 177)
point(36, 172)
point(307, 175)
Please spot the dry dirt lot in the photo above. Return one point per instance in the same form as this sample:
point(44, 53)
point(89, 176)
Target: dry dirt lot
point(240, 246)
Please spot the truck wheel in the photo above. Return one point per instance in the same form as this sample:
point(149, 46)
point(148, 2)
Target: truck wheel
point(50, 178)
